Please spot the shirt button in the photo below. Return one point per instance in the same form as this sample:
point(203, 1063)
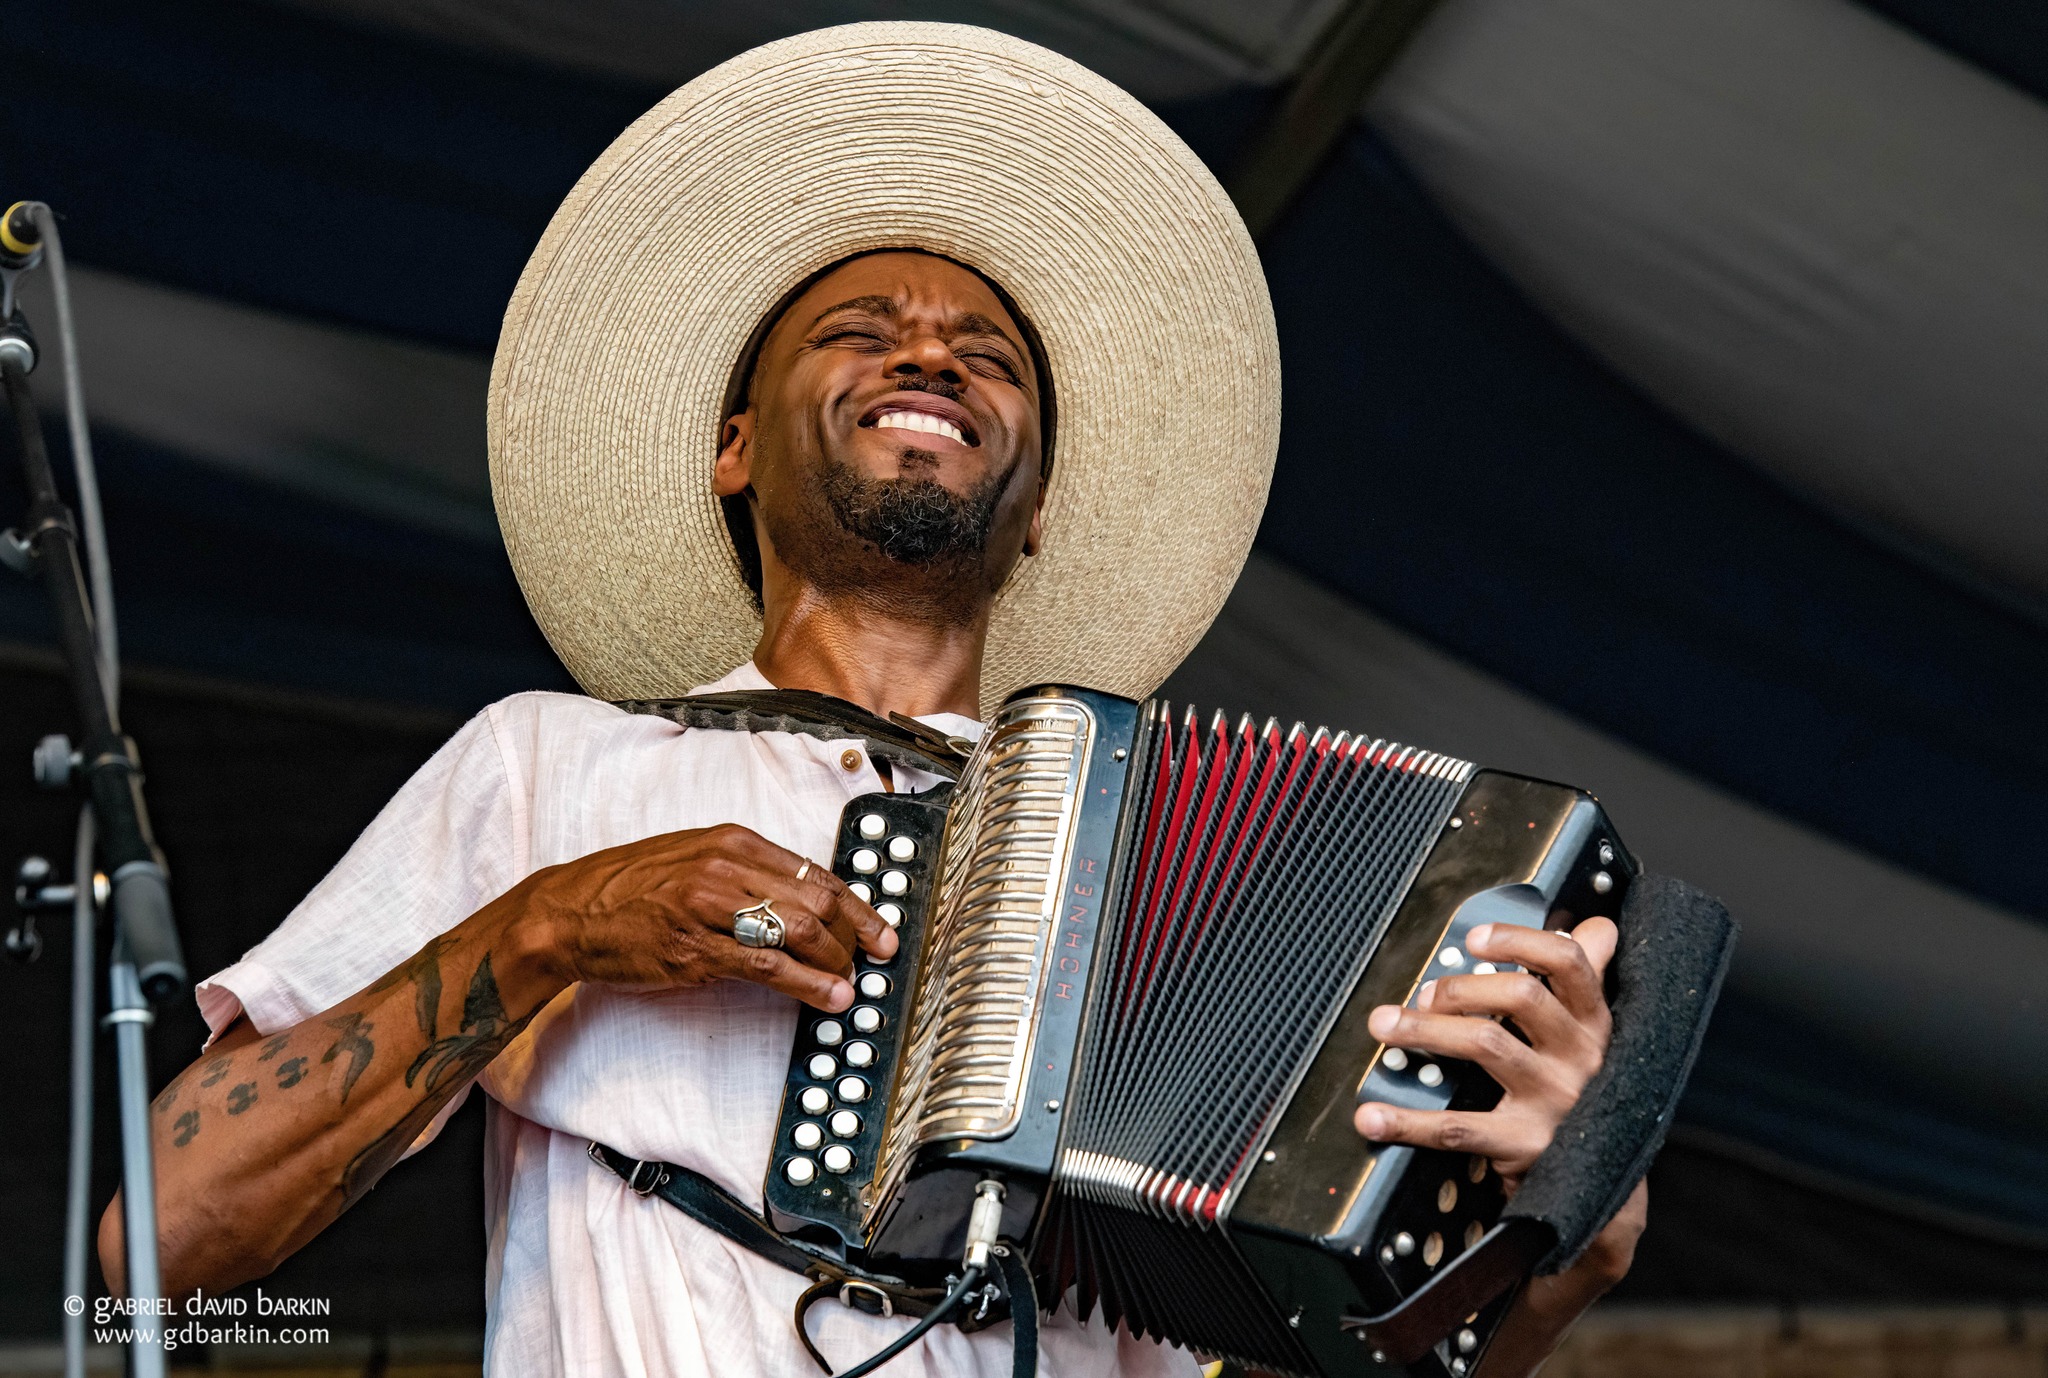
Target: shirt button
point(849, 760)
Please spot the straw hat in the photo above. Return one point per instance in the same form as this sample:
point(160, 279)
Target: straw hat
point(1111, 237)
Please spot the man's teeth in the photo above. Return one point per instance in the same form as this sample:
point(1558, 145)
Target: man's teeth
point(919, 421)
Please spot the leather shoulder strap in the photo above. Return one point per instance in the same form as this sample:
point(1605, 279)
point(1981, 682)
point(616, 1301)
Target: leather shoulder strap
point(896, 739)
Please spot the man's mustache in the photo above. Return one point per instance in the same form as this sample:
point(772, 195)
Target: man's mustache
point(937, 387)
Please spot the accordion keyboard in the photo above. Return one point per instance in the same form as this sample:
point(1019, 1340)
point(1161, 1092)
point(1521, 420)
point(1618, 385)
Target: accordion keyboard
point(840, 1079)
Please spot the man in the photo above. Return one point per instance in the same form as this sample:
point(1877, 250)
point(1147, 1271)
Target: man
point(550, 905)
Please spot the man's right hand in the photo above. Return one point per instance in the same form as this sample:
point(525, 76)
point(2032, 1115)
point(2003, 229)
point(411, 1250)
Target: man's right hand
point(266, 1139)
point(658, 913)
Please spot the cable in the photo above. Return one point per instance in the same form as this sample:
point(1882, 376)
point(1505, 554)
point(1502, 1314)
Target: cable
point(77, 1205)
point(99, 569)
point(916, 1332)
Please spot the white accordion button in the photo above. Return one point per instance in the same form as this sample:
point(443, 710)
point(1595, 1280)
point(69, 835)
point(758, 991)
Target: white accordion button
point(893, 882)
point(901, 849)
point(829, 1032)
point(865, 1019)
point(892, 914)
point(862, 891)
point(1394, 1060)
point(860, 1054)
point(838, 1158)
point(1451, 957)
point(823, 1066)
point(873, 825)
point(801, 1171)
point(1430, 1075)
point(807, 1134)
point(873, 985)
point(845, 1123)
point(852, 1090)
point(815, 1100)
point(867, 861)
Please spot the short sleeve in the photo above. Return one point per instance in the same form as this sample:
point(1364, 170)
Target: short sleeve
point(449, 842)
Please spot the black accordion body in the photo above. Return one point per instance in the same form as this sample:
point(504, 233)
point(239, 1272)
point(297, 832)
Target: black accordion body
point(1137, 957)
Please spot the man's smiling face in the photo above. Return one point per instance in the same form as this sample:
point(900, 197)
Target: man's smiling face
point(891, 440)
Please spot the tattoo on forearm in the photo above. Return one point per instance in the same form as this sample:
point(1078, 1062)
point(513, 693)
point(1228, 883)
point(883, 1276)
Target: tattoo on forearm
point(187, 1125)
point(241, 1097)
point(273, 1047)
point(461, 1056)
point(355, 1044)
point(290, 1073)
point(444, 1065)
point(423, 969)
point(216, 1071)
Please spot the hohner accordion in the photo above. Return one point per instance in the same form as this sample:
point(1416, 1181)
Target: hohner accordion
point(1137, 956)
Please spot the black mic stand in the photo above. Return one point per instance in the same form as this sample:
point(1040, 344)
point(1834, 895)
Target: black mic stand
point(147, 963)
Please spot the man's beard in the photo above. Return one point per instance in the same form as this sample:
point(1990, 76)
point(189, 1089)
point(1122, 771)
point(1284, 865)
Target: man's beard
point(908, 546)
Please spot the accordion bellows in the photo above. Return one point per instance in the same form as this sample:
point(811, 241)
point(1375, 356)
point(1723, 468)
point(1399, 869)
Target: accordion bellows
point(1138, 954)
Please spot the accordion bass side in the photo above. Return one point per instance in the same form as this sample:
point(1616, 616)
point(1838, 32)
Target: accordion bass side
point(1138, 952)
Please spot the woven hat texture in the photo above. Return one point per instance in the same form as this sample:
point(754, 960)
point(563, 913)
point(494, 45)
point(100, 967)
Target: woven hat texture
point(1109, 234)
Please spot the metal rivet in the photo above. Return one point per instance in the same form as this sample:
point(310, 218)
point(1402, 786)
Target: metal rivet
point(1606, 854)
point(1458, 1367)
point(1270, 1156)
point(1467, 1342)
point(1457, 823)
point(1602, 882)
point(1379, 1356)
point(1404, 1244)
point(1386, 1255)
point(1053, 1105)
point(1118, 754)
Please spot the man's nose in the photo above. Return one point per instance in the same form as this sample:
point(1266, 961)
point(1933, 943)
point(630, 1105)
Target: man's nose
point(927, 354)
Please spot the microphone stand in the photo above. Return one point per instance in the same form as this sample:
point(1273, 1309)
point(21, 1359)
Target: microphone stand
point(147, 963)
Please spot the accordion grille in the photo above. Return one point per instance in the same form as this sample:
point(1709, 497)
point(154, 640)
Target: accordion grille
point(994, 910)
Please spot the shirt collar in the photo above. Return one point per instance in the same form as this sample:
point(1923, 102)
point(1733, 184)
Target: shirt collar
point(747, 675)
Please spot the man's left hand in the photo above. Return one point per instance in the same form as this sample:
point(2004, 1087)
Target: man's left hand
point(1558, 1004)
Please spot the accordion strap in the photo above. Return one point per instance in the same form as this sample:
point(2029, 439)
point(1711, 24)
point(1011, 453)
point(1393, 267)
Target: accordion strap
point(718, 1210)
point(896, 739)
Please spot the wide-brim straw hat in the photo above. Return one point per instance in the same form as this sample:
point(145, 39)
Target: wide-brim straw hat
point(1111, 237)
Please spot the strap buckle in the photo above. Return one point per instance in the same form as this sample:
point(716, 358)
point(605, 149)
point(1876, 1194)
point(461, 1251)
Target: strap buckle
point(645, 1177)
point(851, 1287)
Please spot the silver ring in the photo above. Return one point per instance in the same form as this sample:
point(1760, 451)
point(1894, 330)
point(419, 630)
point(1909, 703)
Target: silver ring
point(804, 869)
point(758, 925)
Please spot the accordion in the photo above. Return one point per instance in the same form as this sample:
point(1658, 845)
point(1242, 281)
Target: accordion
point(1137, 955)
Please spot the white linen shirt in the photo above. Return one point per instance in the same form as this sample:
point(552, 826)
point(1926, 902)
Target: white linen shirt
point(583, 1277)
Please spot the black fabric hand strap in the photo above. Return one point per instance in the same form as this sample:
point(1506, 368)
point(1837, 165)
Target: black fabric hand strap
point(1676, 943)
point(896, 739)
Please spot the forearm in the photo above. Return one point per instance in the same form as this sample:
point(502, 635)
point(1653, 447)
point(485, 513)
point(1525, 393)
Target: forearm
point(265, 1141)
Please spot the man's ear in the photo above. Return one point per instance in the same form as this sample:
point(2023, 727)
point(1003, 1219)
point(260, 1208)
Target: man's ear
point(1034, 535)
point(734, 471)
